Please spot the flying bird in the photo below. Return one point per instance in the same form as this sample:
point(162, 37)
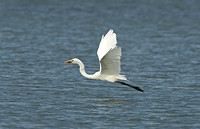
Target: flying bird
point(109, 55)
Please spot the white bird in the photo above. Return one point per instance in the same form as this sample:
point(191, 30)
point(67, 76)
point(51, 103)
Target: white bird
point(109, 55)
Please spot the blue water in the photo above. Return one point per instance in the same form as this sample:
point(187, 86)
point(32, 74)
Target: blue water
point(160, 43)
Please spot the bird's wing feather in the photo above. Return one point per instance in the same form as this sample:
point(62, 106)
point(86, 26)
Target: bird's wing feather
point(107, 43)
point(110, 63)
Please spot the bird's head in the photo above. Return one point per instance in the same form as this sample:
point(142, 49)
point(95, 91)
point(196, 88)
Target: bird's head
point(75, 60)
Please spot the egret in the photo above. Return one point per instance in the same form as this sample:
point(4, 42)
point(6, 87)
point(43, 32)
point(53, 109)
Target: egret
point(109, 55)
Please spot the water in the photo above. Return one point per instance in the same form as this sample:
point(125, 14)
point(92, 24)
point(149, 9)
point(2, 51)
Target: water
point(160, 44)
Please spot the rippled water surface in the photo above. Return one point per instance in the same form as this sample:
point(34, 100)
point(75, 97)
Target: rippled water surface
point(160, 43)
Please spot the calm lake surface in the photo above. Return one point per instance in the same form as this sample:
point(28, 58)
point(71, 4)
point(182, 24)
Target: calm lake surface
point(160, 43)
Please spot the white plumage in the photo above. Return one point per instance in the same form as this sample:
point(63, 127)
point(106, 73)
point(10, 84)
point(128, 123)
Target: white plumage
point(109, 55)
point(107, 43)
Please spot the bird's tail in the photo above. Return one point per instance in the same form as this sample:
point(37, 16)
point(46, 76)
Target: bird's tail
point(131, 82)
point(135, 87)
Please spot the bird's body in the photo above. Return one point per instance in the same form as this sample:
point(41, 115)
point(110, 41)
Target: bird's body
point(109, 55)
point(98, 75)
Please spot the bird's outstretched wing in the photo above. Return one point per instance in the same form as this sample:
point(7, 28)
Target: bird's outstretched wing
point(109, 54)
point(107, 43)
point(110, 63)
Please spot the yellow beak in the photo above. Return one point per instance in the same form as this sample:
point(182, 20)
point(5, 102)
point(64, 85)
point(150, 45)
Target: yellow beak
point(68, 62)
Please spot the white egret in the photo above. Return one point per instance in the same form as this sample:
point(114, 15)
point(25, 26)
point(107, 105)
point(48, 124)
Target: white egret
point(109, 55)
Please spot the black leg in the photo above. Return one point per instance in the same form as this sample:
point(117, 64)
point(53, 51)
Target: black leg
point(135, 87)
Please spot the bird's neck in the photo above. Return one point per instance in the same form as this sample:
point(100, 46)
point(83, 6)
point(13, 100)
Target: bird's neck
point(82, 70)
